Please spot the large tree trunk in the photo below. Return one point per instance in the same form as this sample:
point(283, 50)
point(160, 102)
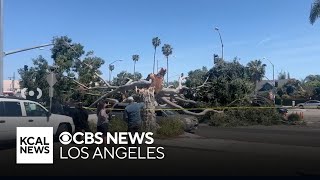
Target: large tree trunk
point(149, 123)
point(154, 59)
point(134, 70)
point(167, 71)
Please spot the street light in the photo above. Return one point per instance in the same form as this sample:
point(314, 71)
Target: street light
point(272, 68)
point(217, 29)
point(4, 54)
point(111, 68)
point(274, 82)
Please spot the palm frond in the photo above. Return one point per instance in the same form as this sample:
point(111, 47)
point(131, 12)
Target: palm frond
point(315, 11)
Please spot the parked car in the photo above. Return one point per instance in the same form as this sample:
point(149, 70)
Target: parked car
point(190, 122)
point(15, 112)
point(282, 110)
point(309, 104)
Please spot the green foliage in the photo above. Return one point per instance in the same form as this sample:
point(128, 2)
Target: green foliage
point(169, 127)
point(135, 57)
point(92, 126)
point(228, 81)
point(256, 70)
point(35, 77)
point(118, 125)
point(68, 67)
point(245, 117)
point(167, 50)
point(315, 11)
point(64, 53)
point(294, 118)
point(87, 68)
point(294, 88)
point(282, 75)
point(196, 77)
point(174, 84)
point(123, 77)
point(156, 42)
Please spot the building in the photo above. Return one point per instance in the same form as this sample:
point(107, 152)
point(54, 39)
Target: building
point(11, 86)
point(268, 85)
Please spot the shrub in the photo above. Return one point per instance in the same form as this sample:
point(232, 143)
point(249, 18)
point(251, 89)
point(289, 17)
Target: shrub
point(117, 125)
point(294, 118)
point(245, 117)
point(169, 127)
point(92, 126)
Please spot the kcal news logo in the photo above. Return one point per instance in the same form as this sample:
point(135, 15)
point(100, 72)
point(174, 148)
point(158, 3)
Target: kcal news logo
point(34, 145)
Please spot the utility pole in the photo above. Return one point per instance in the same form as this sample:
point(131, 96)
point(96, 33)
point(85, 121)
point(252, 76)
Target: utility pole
point(1, 47)
point(111, 68)
point(13, 78)
point(222, 46)
point(274, 82)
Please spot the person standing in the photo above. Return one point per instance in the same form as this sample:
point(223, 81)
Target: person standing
point(103, 121)
point(56, 108)
point(83, 118)
point(132, 115)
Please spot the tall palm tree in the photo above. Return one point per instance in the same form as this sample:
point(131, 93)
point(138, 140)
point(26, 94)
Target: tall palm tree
point(315, 11)
point(256, 70)
point(135, 58)
point(156, 43)
point(167, 51)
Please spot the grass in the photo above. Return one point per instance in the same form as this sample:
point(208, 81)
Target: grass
point(245, 117)
point(169, 128)
point(118, 125)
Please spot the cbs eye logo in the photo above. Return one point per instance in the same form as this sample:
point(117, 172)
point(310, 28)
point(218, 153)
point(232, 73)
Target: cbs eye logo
point(65, 138)
point(25, 93)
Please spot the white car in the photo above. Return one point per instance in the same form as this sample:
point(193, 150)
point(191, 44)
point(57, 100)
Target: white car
point(309, 104)
point(24, 113)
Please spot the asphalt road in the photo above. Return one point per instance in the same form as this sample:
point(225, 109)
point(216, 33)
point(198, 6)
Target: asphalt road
point(193, 160)
point(283, 135)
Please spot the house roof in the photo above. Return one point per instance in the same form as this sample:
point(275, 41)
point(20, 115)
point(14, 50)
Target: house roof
point(281, 83)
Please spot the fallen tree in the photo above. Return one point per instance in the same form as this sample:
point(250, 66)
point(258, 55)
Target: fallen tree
point(152, 93)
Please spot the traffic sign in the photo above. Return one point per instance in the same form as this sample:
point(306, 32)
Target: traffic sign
point(51, 79)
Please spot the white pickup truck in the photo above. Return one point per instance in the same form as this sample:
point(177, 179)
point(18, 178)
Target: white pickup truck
point(24, 113)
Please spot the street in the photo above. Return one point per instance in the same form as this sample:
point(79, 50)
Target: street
point(256, 150)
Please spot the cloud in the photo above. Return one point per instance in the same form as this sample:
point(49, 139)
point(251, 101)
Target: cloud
point(264, 41)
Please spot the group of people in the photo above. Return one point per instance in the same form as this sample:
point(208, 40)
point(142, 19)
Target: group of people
point(132, 115)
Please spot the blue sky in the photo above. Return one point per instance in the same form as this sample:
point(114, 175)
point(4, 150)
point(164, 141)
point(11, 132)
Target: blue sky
point(115, 29)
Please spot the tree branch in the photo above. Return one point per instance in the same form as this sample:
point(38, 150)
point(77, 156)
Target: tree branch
point(189, 112)
point(137, 84)
point(186, 100)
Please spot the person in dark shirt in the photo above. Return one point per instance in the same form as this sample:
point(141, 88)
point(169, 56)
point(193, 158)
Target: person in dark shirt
point(83, 118)
point(73, 112)
point(56, 108)
point(132, 115)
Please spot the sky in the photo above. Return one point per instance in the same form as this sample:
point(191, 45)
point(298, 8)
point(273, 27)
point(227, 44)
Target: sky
point(278, 30)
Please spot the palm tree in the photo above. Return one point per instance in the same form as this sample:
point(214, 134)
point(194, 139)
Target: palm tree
point(315, 11)
point(256, 70)
point(135, 58)
point(167, 51)
point(155, 42)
